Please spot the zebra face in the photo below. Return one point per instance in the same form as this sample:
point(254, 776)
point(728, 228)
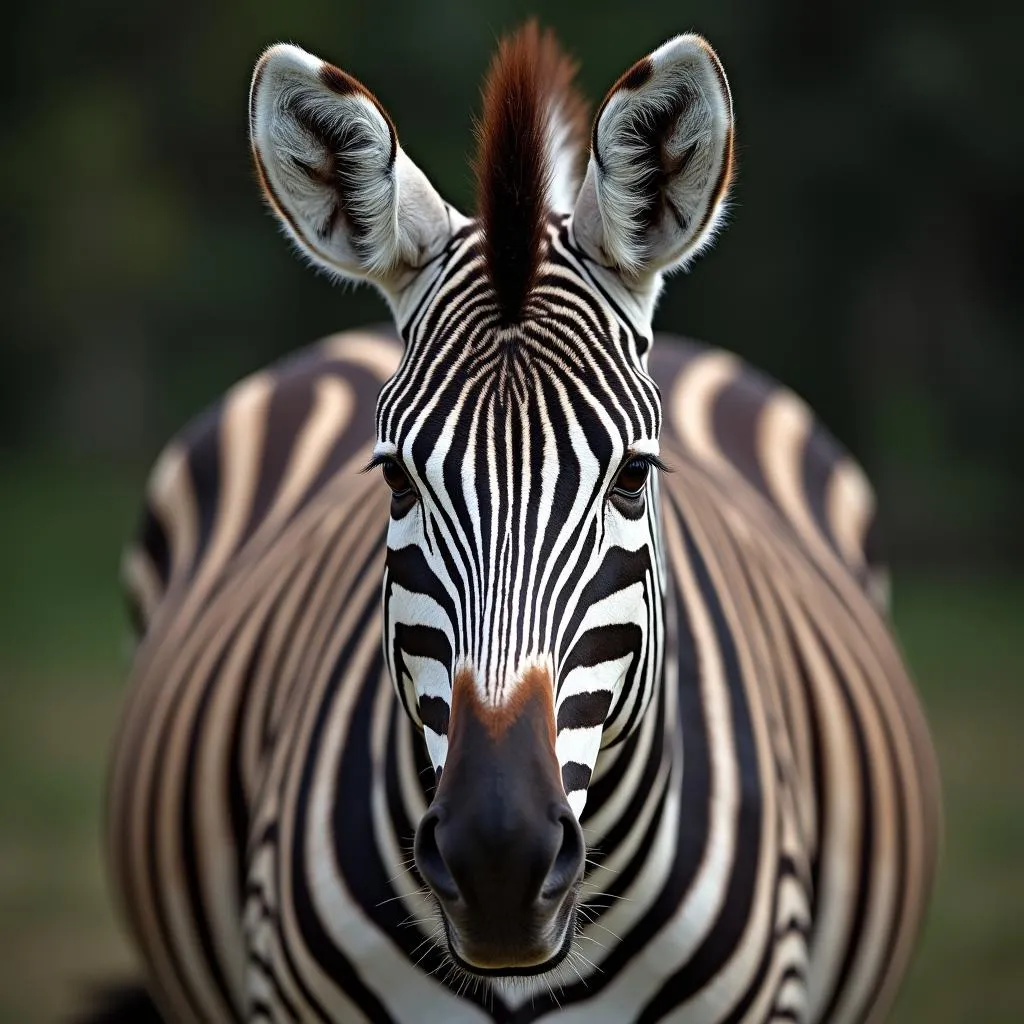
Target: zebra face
point(524, 533)
point(522, 595)
point(523, 587)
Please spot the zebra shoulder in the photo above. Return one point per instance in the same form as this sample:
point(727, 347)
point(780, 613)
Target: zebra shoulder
point(735, 419)
point(265, 448)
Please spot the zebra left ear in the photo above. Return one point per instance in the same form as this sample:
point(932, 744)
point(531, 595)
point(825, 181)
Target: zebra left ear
point(660, 162)
point(332, 169)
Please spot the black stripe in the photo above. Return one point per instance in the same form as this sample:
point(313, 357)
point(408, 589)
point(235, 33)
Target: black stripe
point(357, 820)
point(731, 922)
point(154, 542)
point(575, 776)
point(434, 714)
point(584, 710)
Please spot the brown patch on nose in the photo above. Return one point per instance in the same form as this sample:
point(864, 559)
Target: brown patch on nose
point(532, 698)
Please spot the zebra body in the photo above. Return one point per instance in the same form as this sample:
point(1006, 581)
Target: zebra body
point(694, 676)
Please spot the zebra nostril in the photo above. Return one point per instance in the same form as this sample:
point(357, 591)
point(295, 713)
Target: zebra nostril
point(567, 866)
point(429, 860)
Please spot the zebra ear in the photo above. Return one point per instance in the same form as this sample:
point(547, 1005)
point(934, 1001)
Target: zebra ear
point(331, 167)
point(660, 162)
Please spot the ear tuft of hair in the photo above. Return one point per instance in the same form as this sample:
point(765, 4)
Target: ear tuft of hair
point(530, 138)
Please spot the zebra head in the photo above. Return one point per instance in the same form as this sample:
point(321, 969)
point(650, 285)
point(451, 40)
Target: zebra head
point(523, 595)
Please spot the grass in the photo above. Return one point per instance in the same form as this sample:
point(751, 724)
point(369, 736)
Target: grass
point(62, 664)
point(965, 644)
point(61, 671)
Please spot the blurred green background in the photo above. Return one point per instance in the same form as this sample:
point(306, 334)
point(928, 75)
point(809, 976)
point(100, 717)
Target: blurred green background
point(873, 262)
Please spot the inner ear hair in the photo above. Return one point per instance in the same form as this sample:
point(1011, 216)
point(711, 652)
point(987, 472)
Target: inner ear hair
point(661, 160)
point(332, 169)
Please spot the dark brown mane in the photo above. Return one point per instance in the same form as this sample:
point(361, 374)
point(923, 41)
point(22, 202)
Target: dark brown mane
point(529, 84)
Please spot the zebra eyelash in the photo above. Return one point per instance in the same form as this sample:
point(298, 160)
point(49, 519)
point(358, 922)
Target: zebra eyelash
point(652, 460)
point(403, 493)
point(380, 460)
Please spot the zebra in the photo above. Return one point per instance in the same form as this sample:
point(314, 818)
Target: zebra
point(591, 710)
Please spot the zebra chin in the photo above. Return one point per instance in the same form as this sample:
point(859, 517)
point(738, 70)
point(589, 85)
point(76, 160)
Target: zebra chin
point(499, 846)
point(532, 960)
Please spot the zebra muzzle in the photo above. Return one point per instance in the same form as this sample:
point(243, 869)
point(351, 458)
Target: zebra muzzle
point(499, 845)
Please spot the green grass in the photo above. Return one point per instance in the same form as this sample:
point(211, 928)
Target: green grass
point(966, 645)
point(62, 634)
point(62, 641)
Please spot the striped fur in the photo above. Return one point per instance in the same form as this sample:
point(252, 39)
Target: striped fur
point(731, 718)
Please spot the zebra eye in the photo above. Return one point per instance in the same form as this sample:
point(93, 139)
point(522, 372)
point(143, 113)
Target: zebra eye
point(632, 478)
point(395, 477)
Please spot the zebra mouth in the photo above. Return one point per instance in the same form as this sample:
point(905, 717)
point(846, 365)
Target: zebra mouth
point(514, 970)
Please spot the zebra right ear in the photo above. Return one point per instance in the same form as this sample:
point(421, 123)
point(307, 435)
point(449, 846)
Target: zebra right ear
point(331, 168)
point(661, 161)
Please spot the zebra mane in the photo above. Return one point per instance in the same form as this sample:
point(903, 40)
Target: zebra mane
point(530, 137)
